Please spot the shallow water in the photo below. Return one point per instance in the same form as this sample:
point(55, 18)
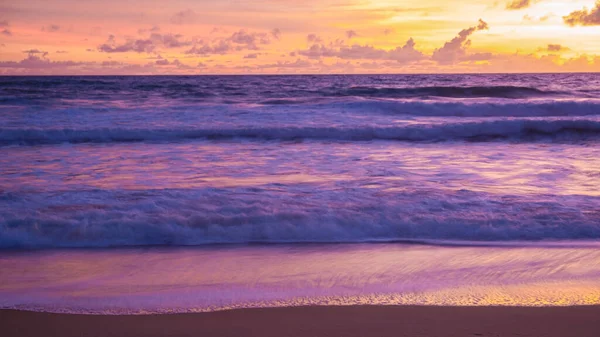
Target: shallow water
point(161, 280)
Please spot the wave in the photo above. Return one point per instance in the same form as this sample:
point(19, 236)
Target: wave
point(448, 91)
point(514, 129)
point(462, 109)
point(242, 216)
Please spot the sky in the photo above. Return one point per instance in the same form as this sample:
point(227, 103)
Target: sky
point(103, 37)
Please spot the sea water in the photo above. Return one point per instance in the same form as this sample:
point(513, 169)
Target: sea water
point(407, 189)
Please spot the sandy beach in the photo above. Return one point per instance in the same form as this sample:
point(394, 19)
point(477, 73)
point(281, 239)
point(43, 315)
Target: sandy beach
point(348, 321)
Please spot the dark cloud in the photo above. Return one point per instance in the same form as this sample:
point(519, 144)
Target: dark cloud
point(251, 56)
point(184, 17)
point(518, 4)
point(51, 28)
point(456, 50)
point(584, 17)
point(163, 62)
point(351, 33)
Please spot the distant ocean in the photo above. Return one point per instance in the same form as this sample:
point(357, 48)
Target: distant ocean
point(214, 161)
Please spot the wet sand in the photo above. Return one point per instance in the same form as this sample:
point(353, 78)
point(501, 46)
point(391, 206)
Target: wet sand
point(315, 321)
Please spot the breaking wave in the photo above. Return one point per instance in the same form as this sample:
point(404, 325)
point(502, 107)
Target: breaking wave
point(448, 91)
point(226, 216)
point(513, 129)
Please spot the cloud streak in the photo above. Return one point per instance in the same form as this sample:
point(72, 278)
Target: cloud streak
point(518, 4)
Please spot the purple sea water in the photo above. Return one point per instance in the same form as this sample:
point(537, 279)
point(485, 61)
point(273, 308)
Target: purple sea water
point(509, 161)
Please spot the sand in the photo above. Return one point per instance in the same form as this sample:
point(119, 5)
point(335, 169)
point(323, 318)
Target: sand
point(318, 321)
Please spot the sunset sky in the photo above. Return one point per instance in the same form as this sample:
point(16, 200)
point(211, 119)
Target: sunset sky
point(298, 36)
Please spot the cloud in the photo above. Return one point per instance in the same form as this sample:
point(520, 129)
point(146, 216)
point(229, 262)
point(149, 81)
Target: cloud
point(170, 40)
point(220, 48)
point(313, 38)
point(286, 65)
point(405, 53)
point(276, 33)
point(61, 52)
point(351, 33)
point(138, 46)
point(163, 62)
point(554, 48)
point(35, 52)
point(518, 4)
point(250, 40)
point(544, 18)
point(4, 24)
point(144, 31)
point(184, 17)
point(456, 50)
point(6, 32)
point(251, 56)
point(388, 31)
point(51, 29)
point(147, 45)
point(34, 61)
point(584, 17)
point(238, 41)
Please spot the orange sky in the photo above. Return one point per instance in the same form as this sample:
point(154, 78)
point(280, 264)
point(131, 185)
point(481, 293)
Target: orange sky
point(297, 36)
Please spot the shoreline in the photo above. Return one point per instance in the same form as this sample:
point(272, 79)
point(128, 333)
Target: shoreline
point(367, 320)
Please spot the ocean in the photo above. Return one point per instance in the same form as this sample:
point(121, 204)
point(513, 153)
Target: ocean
point(212, 192)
